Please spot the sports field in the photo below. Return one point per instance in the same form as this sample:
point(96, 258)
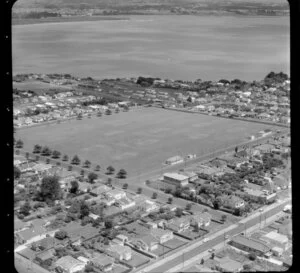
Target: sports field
point(139, 141)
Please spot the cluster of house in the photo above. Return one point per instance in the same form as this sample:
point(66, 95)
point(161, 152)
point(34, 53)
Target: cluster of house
point(59, 106)
point(263, 188)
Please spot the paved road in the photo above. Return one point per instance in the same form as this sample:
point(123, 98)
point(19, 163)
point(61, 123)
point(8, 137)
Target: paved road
point(259, 219)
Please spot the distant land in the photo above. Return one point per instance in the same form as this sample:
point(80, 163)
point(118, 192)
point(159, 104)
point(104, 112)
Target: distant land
point(39, 11)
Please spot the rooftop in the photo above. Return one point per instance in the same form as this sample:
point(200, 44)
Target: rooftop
point(250, 243)
point(67, 262)
point(176, 176)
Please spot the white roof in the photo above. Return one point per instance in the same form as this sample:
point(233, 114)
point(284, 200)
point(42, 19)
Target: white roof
point(176, 176)
point(277, 237)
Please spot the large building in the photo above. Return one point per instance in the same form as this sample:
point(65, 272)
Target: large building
point(276, 239)
point(250, 245)
point(176, 179)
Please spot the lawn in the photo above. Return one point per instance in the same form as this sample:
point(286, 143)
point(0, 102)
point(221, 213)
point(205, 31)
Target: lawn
point(139, 141)
point(137, 259)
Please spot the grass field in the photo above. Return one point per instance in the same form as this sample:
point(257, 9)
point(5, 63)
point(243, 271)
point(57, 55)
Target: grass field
point(139, 141)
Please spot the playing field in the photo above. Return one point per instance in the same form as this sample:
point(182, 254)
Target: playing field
point(139, 141)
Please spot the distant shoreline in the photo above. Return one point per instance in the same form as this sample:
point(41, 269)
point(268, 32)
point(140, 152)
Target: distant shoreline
point(70, 19)
point(66, 19)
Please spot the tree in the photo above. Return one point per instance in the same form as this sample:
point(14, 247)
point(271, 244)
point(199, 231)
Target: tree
point(224, 218)
point(188, 206)
point(92, 177)
point(46, 151)
point(84, 209)
point(99, 114)
point(56, 154)
point(170, 200)
point(25, 209)
point(37, 149)
point(110, 170)
point(82, 172)
point(74, 187)
point(89, 268)
point(252, 256)
point(58, 163)
point(97, 169)
point(17, 172)
point(178, 191)
point(139, 190)
point(27, 155)
point(65, 158)
point(178, 212)
point(247, 267)
point(122, 174)
point(61, 234)
point(50, 188)
point(212, 255)
point(154, 195)
point(125, 186)
point(202, 261)
point(109, 224)
point(37, 158)
point(75, 160)
point(109, 182)
point(19, 144)
point(168, 190)
point(48, 161)
point(117, 110)
point(87, 164)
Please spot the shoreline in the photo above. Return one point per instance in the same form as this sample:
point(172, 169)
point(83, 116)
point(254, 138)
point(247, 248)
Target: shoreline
point(23, 22)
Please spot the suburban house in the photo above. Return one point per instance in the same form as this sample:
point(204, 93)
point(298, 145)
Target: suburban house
point(45, 255)
point(27, 235)
point(103, 262)
point(119, 252)
point(201, 219)
point(46, 243)
point(260, 195)
point(120, 239)
point(233, 202)
point(226, 264)
point(124, 203)
point(68, 264)
point(179, 225)
point(162, 235)
point(100, 190)
point(116, 194)
point(249, 245)
point(145, 243)
point(276, 239)
point(148, 206)
point(176, 179)
point(282, 181)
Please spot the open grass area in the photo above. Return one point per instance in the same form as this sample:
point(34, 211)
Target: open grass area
point(139, 141)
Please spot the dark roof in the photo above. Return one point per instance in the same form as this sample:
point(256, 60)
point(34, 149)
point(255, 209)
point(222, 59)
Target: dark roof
point(256, 245)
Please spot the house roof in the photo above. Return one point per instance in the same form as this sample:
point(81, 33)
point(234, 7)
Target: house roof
point(27, 253)
point(176, 176)
point(159, 232)
point(102, 259)
point(47, 242)
point(45, 255)
point(229, 265)
point(250, 243)
point(119, 249)
point(273, 235)
point(29, 233)
point(147, 239)
point(100, 190)
point(68, 262)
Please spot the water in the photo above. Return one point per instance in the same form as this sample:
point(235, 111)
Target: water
point(174, 47)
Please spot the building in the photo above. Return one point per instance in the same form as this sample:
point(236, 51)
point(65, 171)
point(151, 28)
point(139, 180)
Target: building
point(45, 255)
point(233, 202)
point(179, 225)
point(116, 194)
point(119, 252)
point(145, 243)
point(120, 239)
point(250, 245)
point(68, 264)
point(201, 219)
point(102, 261)
point(148, 206)
point(176, 179)
point(125, 203)
point(162, 235)
point(191, 176)
point(226, 264)
point(174, 160)
point(276, 239)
